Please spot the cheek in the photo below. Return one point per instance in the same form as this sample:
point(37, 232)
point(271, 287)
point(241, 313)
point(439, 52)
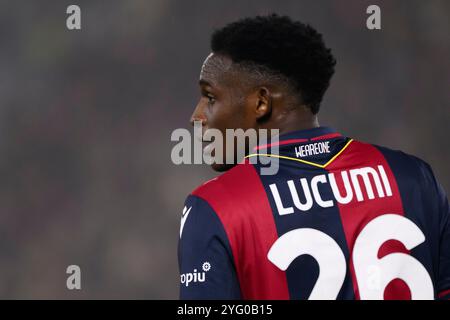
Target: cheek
point(242, 115)
point(232, 118)
point(220, 115)
point(239, 112)
point(229, 114)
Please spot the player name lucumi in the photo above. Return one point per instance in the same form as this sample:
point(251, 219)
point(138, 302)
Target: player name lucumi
point(202, 311)
point(351, 179)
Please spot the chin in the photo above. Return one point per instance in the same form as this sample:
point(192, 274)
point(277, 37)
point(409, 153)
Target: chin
point(222, 167)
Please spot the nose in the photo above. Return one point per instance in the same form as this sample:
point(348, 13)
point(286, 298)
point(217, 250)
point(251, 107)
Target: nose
point(198, 115)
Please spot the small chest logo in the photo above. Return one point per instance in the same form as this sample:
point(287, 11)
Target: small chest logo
point(196, 276)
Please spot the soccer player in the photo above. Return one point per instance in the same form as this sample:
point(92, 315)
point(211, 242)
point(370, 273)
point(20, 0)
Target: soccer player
point(341, 219)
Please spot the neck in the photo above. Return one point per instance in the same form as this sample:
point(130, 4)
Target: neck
point(299, 125)
point(295, 119)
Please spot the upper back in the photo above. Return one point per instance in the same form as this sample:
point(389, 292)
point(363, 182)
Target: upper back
point(331, 222)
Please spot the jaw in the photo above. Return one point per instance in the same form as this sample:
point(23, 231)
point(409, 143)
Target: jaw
point(222, 167)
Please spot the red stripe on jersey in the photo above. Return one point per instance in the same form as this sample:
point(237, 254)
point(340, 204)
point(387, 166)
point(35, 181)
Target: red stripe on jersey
point(443, 293)
point(240, 201)
point(327, 136)
point(356, 214)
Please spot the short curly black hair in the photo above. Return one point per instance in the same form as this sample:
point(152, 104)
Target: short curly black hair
point(291, 48)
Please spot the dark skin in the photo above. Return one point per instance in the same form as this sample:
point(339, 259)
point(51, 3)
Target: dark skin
point(228, 101)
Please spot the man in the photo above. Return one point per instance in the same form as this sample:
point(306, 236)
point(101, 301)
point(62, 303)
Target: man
point(341, 219)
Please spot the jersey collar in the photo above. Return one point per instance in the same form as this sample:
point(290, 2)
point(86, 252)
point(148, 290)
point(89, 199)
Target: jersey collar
point(302, 136)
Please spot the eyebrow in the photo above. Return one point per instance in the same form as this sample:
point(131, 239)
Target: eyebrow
point(204, 82)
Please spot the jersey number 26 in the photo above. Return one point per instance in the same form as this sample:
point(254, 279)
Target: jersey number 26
point(372, 274)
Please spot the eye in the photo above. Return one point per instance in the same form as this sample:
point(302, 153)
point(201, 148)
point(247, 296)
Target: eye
point(208, 95)
point(211, 99)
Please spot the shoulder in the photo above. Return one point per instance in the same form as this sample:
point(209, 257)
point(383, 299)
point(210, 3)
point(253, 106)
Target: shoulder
point(228, 185)
point(205, 207)
point(405, 163)
point(391, 154)
point(408, 169)
point(234, 196)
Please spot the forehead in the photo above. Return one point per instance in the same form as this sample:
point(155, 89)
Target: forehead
point(214, 68)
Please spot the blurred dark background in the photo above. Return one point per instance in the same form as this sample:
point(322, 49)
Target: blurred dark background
point(86, 118)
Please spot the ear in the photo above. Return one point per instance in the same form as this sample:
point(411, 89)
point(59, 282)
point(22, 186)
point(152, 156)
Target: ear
point(263, 107)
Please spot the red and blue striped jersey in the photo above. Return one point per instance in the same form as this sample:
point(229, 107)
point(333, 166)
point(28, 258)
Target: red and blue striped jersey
point(341, 219)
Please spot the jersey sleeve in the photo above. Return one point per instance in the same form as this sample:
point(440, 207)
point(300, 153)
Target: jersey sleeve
point(444, 261)
point(444, 265)
point(439, 203)
point(204, 255)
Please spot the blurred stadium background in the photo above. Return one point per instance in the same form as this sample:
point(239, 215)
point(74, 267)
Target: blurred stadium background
point(86, 117)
